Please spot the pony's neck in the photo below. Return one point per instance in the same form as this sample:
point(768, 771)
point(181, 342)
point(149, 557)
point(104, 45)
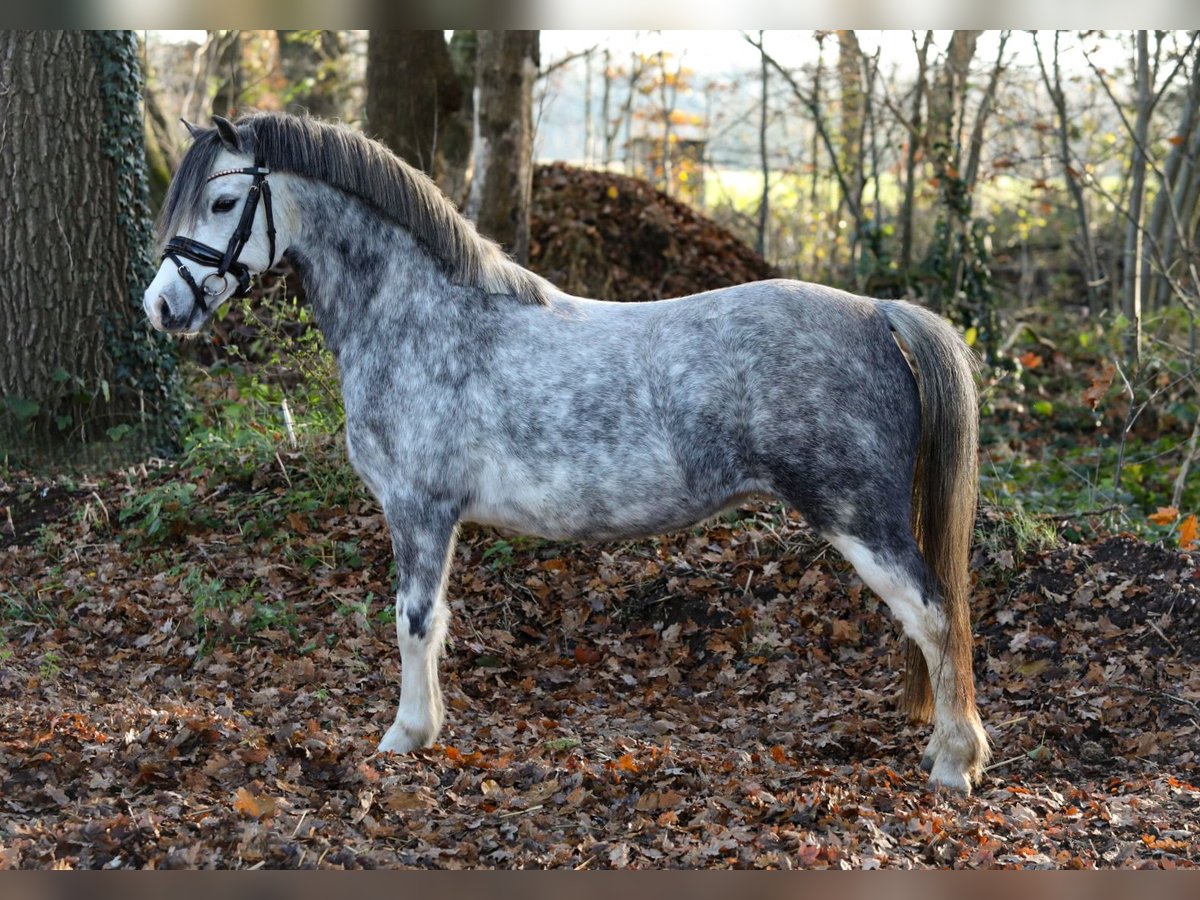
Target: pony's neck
point(351, 260)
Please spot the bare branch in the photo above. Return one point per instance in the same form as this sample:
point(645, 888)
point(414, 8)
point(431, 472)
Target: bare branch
point(818, 121)
point(551, 68)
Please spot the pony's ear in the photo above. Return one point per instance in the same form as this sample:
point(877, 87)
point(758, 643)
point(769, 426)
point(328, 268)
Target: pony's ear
point(194, 130)
point(228, 134)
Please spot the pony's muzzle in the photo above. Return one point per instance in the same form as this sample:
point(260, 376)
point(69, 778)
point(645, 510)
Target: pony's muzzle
point(169, 320)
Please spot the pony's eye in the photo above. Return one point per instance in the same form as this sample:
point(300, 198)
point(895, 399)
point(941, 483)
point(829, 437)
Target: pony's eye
point(225, 204)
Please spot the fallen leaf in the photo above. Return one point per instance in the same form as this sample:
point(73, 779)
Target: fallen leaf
point(844, 631)
point(1188, 532)
point(256, 806)
point(253, 755)
point(1164, 515)
point(626, 763)
point(1100, 385)
point(404, 800)
point(1033, 667)
point(586, 656)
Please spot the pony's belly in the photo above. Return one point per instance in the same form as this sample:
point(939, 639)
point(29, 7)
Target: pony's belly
point(567, 524)
point(610, 509)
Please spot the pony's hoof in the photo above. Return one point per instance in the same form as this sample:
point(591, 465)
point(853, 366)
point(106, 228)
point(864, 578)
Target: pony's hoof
point(405, 739)
point(927, 762)
point(950, 779)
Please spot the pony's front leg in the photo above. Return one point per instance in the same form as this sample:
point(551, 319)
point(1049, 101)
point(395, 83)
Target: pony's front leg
point(422, 539)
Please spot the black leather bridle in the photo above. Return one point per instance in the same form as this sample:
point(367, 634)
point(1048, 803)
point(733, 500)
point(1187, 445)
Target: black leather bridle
point(227, 263)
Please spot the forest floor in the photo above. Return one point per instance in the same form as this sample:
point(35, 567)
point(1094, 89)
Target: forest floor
point(186, 680)
point(197, 659)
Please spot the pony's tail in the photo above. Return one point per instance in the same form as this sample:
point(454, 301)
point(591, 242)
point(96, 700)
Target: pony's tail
point(945, 486)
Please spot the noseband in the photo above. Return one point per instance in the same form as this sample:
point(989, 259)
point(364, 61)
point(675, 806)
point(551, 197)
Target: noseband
point(227, 263)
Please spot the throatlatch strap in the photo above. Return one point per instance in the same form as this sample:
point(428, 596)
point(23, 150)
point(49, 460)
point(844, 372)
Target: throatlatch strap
point(266, 196)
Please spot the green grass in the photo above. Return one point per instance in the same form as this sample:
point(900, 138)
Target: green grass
point(1049, 454)
point(24, 609)
point(220, 610)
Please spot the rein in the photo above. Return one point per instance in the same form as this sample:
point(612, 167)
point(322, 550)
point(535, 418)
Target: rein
point(226, 263)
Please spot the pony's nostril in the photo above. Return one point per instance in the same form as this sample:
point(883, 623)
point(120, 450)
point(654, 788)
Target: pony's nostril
point(164, 310)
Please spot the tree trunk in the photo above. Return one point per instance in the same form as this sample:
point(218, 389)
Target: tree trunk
point(459, 136)
point(871, 135)
point(819, 214)
point(589, 126)
point(199, 103)
point(947, 98)
point(1186, 236)
point(228, 72)
point(850, 127)
point(159, 157)
point(947, 102)
point(81, 378)
point(313, 62)
point(764, 206)
point(666, 102)
point(916, 136)
point(636, 67)
point(610, 128)
point(978, 128)
point(1165, 221)
point(811, 101)
point(412, 92)
point(1178, 245)
point(1131, 277)
point(508, 63)
point(1071, 176)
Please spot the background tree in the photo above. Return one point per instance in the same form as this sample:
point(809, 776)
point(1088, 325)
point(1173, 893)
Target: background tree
point(413, 92)
point(1131, 284)
point(459, 134)
point(943, 148)
point(958, 260)
point(502, 179)
point(1173, 216)
point(227, 48)
point(313, 66)
point(1072, 176)
point(1138, 249)
point(850, 127)
point(210, 74)
point(633, 86)
point(764, 159)
point(81, 377)
point(916, 138)
point(824, 137)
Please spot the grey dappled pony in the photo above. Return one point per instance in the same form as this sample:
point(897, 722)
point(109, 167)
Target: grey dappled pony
point(475, 390)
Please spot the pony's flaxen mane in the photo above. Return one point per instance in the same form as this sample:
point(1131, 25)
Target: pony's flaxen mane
point(366, 169)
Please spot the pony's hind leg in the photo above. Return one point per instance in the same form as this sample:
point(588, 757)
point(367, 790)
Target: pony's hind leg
point(422, 539)
point(958, 750)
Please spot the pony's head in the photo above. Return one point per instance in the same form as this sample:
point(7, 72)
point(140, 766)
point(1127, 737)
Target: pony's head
point(217, 229)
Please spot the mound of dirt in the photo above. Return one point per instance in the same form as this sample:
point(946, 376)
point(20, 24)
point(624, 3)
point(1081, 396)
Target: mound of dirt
point(602, 235)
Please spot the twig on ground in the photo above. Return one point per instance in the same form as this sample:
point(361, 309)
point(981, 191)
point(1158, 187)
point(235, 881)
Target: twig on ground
point(1163, 694)
point(1062, 517)
point(1013, 721)
point(287, 421)
point(1170, 643)
point(283, 468)
point(1181, 478)
point(1005, 762)
point(520, 812)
